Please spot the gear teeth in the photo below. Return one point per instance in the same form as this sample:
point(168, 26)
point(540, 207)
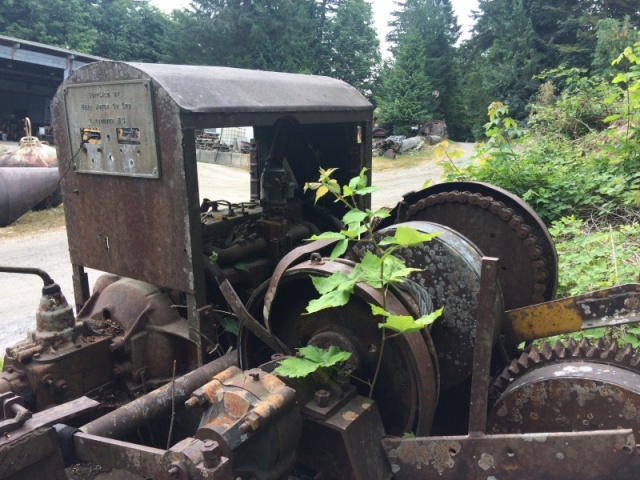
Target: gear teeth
point(583, 348)
point(535, 356)
point(546, 351)
point(610, 352)
point(502, 382)
point(572, 346)
point(596, 351)
point(624, 355)
point(523, 361)
point(560, 351)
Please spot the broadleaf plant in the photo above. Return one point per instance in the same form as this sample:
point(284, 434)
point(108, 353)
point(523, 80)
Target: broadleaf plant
point(311, 359)
point(378, 268)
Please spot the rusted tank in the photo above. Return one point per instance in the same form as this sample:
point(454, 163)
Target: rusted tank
point(28, 178)
point(151, 377)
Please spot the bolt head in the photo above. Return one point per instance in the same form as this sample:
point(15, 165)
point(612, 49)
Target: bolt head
point(321, 398)
point(211, 453)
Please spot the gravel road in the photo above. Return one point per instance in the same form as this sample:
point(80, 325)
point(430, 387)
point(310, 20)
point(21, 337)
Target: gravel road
point(49, 250)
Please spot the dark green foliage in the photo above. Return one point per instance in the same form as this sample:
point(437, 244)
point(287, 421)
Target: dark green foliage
point(423, 38)
point(596, 257)
point(266, 34)
point(613, 36)
point(406, 92)
point(515, 40)
point(129, 30)
point(62, 23)
point(506, 57)
point(353, 49)
point(580, 156)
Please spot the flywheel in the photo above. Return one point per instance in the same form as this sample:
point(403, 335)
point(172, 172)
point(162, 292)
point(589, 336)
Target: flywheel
point(406, 391)
point(568, 387)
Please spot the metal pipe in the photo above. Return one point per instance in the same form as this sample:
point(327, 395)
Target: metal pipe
point(144, 409)
point(31, 271)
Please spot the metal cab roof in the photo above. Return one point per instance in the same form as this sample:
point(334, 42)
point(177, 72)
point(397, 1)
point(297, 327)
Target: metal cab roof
point(224, 96)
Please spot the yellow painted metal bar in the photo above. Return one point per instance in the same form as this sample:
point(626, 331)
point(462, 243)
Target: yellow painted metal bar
point(607, 307)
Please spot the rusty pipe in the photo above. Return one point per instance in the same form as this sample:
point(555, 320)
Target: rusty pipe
point(127, 418)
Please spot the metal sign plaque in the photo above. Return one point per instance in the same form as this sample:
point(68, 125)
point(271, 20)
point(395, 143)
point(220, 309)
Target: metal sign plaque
point(112, 130)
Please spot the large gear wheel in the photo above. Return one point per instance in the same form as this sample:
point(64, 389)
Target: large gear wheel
point(568, 387)
point(501, 225)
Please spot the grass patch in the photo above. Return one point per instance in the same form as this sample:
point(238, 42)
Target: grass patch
point(35, 222)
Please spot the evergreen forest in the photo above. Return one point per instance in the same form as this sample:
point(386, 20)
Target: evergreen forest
point(430, 74)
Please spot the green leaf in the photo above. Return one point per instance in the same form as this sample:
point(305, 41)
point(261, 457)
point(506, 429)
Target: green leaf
point(401, 324)
point(354, 216)
point(632, 339)
point(405, 323)
point(294, 367)
point(311, 360)
point(230, 325)
point(339, 249)
point(333, 187)
point(377, 310)
point(326, 284)
point(325, 357)
point(365, 190)
point(336, 298)
point(335, 291)
point(354, 183)
point(408, 237)
point(328, 236)
point(426, 320)
point(380, 214)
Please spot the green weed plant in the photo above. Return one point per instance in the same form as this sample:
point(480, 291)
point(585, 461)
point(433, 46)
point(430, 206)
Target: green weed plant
point(378, 268)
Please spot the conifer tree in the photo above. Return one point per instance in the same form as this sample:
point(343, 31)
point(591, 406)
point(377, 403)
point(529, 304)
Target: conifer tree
point(353, 49)
point(433, 25)
point(406, 92)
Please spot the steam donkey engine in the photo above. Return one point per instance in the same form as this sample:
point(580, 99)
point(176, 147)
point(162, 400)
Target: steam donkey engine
point(166, 370)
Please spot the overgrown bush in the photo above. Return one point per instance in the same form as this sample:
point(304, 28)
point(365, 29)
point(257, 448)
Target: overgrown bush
point(580, 154)
point(592, 257)
point(578, 165)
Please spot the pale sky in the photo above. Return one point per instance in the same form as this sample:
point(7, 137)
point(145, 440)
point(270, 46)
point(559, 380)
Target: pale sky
point(381, 14)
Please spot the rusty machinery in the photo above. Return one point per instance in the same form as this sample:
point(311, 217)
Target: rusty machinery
point(145, 378)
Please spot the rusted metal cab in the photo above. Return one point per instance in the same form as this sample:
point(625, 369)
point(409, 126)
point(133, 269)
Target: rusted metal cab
point(127, 158)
